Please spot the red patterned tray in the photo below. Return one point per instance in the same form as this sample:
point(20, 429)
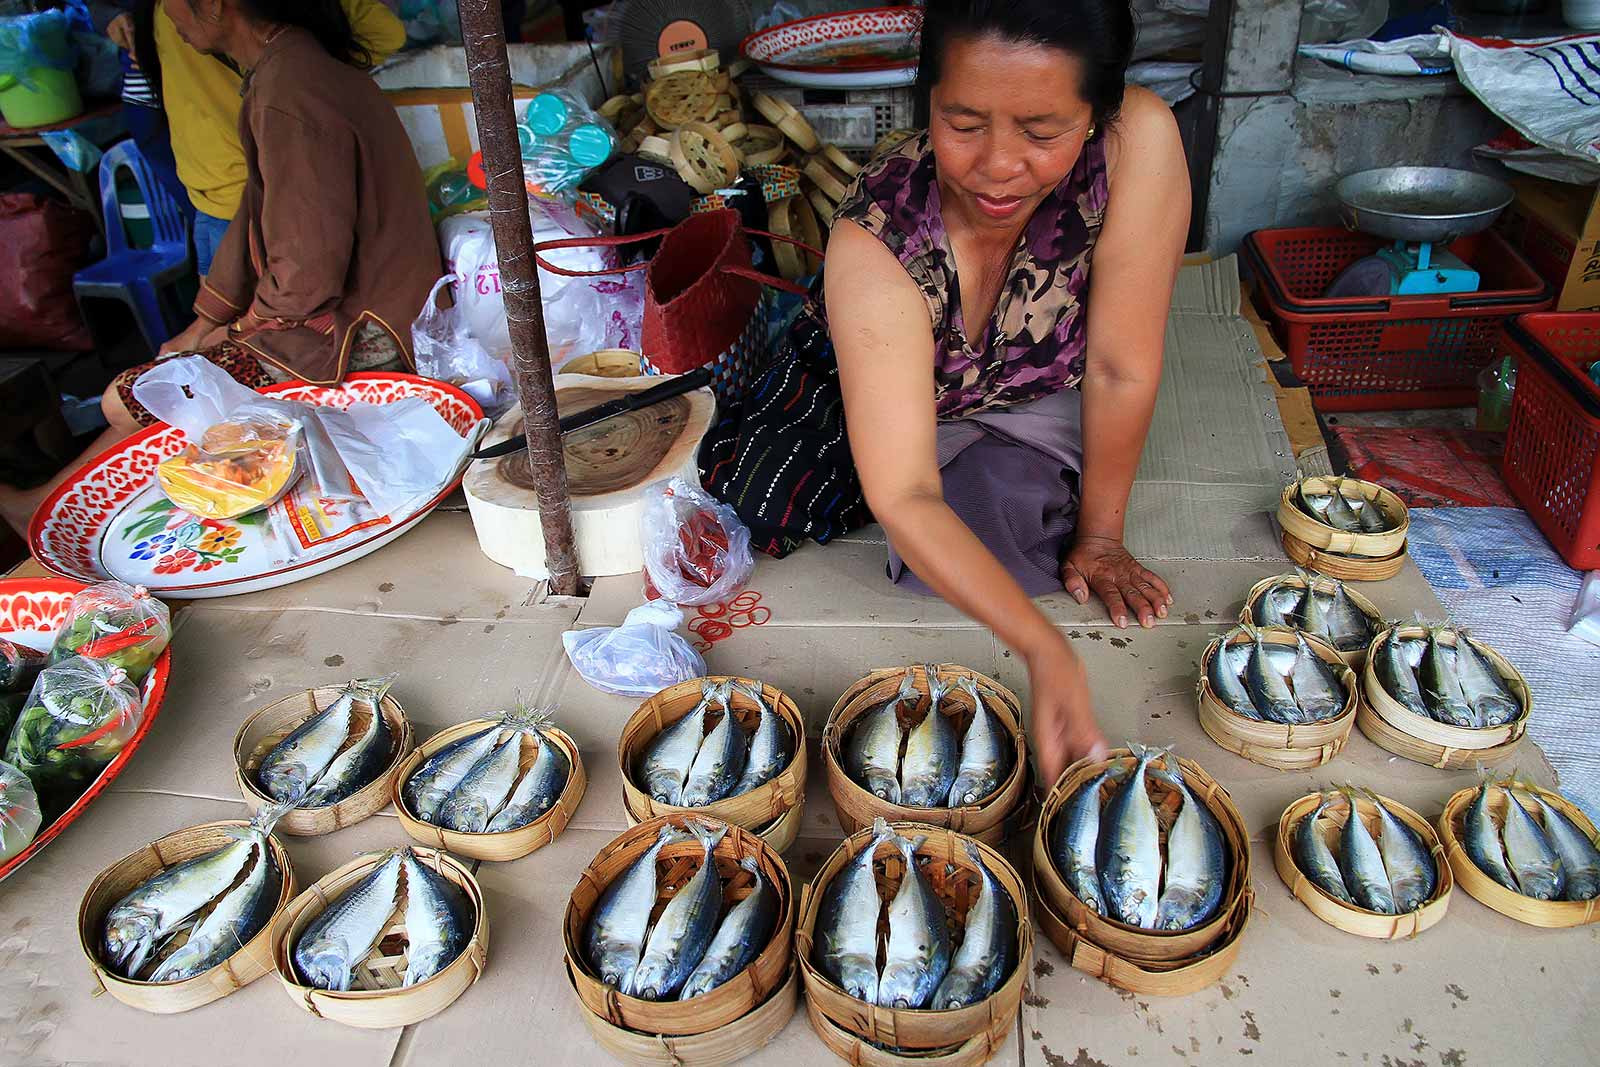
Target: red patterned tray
point(31, 609)
point(872, 48)
point(110, 520)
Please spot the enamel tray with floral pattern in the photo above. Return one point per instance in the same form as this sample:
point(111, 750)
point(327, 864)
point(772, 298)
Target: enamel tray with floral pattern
point(872, 48)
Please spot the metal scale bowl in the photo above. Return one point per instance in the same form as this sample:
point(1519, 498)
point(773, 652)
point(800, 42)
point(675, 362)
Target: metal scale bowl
point(1418, 208)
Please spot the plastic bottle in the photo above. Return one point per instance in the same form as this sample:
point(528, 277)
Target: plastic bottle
point(1496, 384)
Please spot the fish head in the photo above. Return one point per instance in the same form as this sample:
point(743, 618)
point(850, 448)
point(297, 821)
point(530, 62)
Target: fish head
point(429, 961)
point(325, 967)
point(472, 815)
point(129, 937)
point(883, 786)
point(285, 781)
point(957, 991)
point(900, 986)
point(649, 981)
point(859, 978)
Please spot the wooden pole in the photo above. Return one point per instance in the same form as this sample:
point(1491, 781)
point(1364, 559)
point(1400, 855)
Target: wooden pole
point(489, 72)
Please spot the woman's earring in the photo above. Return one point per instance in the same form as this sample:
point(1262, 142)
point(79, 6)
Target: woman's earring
point(1092, 129)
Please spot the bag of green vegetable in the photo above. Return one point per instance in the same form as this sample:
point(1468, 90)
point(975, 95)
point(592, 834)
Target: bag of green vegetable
point(119, 623)
point(19, 666)
point(19, 812)
point(10, 704)
point(77, 718)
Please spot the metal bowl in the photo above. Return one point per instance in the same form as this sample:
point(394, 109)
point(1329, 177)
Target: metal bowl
point(1420, 203)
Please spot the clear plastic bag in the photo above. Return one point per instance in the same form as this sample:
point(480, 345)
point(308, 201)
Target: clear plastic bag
point(696, 551)
point(79, 715)
point(243, 463)
point(19, 666)
point(639, 658)
point(118, 624)
point(19, 812)
point(563, 140)
point(1585, 621)
point(445, 349)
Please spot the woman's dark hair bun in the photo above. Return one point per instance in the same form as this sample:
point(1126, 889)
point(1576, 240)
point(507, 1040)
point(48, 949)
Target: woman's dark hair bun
point(1100, 33)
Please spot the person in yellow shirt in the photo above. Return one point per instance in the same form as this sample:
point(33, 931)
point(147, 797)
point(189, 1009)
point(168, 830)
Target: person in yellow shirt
point(202, 96)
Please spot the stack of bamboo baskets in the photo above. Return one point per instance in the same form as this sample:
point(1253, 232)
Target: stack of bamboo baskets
point(722, 1026)
point(251, 961)
point(772, 809)
point(862, 1033)
point(996, 817)
point(1157, 962)
point(1368, 557)
point(1349, 917)
point(1276, 744)
point(1389, 725)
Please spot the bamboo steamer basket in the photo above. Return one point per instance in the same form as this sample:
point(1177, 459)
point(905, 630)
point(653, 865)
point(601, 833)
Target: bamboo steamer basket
point(1271, 744)
point(262, 731)
point(605, 363)
point(855, 1050)
point(783, 115)
point(1349, 917)
point(1355, 658)
point(507, 844)
point(1131, 942)
point(756, 810)
point(1345, 568)
point(998, 815)
point(954, 878)
point(675, 865)
point(779, 834)
point(1390, 726)
point(1169, 979)
point(1320, 535)
point(701, 59)
point(1551, 914)
point(250, 962)
point(378, 1000)
point(722, 1046)
point(794, 217)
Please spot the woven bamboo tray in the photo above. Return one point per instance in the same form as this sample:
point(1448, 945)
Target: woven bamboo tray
point(507, 844)
point(1002, 812)
point(1345, 568)
point(1390, 726)
point(263, 730)
point(1348, 917)
point(786, 118)
point(378, 1000)
point(956, 880)
point(1355, 658)
point(756, 810)
point(1551, 914)
point(1171, 979)
point(675, 865)
point(253, 959)
point(723, 1046)
point(855, 1050)
point(758, 143)
point(1320, 535)
point(779, 834)
point(794, 217)
point(1131, 942)
point(1271, 744)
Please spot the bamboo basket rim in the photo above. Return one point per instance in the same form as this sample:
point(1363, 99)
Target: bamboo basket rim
point(503, 844)
point(1437, 733)
point(1258, 741)
point(970, 819)
point(337, 1004)
point(975, 1050)
point(1356, 656)
point(1343, 567)
point(1550, 914)
point(247, 963)
point(1178, 978)
point(364, 802)
point(915, 1028)
point(1391, 739)
point(780, 833)
point(746, 1035)
point(761, 806)
point(1319, 535)
point(1102, 930)
point(1352, 918)
point(716, 1007)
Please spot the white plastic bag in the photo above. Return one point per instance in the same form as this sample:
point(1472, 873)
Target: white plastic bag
point(639, 658)
point(396, 452)
point(1586, 612)
point(696, 551)
point(446, 350)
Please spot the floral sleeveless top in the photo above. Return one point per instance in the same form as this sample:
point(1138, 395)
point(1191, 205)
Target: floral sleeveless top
point(1033, 344)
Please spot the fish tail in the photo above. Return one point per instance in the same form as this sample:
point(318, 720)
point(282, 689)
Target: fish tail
point(880, 829)
point(971, 849)
point(908, 685)
point(373, 690)
point(753, 691)
point(708, 833)
point(267, 816)
point(938, 686)
point(750, 864)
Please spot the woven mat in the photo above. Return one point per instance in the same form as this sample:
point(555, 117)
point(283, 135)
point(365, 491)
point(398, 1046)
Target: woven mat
point(1499, 578)
point(1427, 467)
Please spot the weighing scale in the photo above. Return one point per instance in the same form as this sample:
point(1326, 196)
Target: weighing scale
point(1418, 208)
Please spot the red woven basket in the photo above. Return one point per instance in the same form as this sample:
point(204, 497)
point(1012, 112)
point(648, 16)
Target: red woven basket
point(1552, 460)
point(1374, 353)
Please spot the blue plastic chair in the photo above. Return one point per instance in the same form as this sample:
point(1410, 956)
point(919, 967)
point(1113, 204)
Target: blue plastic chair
point(136, 276)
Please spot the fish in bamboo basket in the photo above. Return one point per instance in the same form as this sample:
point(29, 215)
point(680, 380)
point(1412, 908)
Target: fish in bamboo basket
point(1323, 607)
point(1236, 702)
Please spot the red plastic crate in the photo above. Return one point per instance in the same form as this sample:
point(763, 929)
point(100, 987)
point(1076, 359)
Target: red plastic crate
point(1375, 353)
point(1554, 437)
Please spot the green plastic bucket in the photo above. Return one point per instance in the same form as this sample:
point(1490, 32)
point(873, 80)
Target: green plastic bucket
point(51, 98)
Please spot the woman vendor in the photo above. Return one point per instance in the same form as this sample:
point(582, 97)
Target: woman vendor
point(995, 299)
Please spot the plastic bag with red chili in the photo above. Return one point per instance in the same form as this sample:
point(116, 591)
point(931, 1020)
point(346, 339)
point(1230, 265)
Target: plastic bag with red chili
point(79, 715)
point(19, 666)
point(121, 624)
point(696, 551)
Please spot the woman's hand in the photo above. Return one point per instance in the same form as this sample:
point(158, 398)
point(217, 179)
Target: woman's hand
point(201, 333)
point(120, 30)
point(1063, 728)
point(1120, 581)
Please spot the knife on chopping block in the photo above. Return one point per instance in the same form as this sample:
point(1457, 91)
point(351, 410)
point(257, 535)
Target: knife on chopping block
point(683, 383)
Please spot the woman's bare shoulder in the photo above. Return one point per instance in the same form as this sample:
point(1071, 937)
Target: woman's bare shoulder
point(1145, 128)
